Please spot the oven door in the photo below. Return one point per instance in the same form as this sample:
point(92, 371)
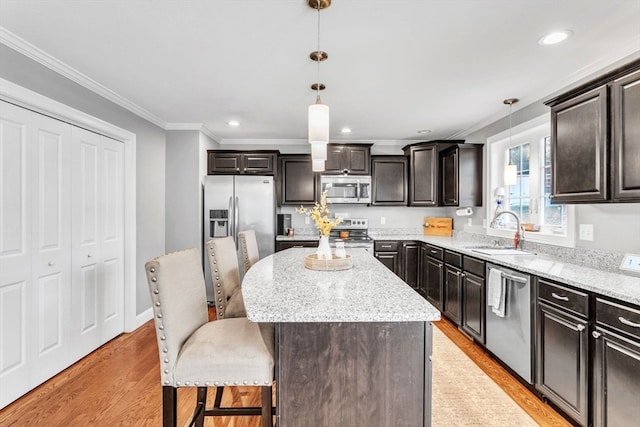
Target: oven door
point(346, 189)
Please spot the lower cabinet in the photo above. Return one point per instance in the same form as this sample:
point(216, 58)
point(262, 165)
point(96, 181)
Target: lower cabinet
point(452, 285)
point(281, 245)
point(410, 261)
point(473, 298)
point(562, 348)
point(388, 254)
point(432, 275)
point(616, 373)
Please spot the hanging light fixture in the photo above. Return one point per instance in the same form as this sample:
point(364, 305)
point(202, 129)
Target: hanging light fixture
point(510, 170)
point(318, 112)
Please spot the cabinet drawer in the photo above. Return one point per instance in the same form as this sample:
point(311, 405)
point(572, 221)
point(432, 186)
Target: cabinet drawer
point(435, 252)
point(473, 265)
point(386, 246)
point(571, 299)
point(617, 316)
point(453, 258)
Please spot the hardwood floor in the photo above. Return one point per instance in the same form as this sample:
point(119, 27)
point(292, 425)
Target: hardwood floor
point(119, 385)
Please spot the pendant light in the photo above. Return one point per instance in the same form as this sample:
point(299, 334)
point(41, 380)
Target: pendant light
point(510, 170)
point(318, 112)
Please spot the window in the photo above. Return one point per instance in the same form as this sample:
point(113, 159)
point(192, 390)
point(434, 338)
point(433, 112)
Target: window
point(529, 151)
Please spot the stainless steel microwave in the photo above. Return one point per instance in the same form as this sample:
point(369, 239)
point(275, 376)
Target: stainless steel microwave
point(346, 189)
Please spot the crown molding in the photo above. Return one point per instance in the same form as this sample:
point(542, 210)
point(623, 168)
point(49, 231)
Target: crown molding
point(30, 51)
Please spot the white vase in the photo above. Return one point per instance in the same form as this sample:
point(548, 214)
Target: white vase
point(324, 250)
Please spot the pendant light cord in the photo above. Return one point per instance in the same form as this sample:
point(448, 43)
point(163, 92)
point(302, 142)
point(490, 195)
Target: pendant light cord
point(318, 57)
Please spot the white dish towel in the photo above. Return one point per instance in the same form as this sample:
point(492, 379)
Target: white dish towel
point(496, 292)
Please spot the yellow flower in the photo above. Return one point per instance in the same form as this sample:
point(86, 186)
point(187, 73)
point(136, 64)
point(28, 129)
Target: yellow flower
point(320, 215)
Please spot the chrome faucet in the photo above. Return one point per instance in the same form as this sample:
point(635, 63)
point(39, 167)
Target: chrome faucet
point(519, 228)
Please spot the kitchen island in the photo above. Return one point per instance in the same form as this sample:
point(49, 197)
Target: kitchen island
point(353, 346)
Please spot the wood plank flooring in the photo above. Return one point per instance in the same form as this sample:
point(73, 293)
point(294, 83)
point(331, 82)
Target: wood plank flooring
point(119, 385)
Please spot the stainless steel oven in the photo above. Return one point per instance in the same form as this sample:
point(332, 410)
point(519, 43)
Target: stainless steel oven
point(354, 232)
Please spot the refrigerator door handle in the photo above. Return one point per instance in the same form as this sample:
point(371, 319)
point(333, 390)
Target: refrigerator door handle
point(230, 223)
point(236, 221)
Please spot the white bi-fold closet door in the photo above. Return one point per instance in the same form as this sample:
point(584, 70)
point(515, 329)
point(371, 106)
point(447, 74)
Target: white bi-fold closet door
point(61, 246)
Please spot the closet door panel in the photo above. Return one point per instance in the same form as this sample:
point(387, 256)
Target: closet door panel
point(16, 292)
point(111, 238)
point(86, 269)
point(51, 245)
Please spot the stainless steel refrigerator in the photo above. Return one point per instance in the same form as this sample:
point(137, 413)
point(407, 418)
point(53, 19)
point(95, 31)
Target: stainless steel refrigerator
point(234, 203)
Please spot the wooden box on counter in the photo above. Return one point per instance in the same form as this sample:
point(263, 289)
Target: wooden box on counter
point(438, 226)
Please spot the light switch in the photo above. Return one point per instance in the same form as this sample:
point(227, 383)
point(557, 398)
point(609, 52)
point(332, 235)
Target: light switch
point(307, 220)
point(586, 232)
point(383, 220)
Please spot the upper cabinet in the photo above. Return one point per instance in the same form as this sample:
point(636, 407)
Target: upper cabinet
point(626, 137)
point(461, 175)
point(389, 180)
point(445, 173)
point(595, 133)
point(352, 159)
point(297, 183)
point(231, 162)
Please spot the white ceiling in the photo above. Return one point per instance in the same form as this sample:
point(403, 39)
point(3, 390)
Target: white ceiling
point(394, 67)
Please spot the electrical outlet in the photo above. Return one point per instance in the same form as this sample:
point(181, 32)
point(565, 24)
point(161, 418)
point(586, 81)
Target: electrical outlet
point(586, 232)
point(383, 220)
point(307, 220)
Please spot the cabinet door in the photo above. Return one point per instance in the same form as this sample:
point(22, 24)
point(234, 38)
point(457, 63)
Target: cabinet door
point(223, 163)
point(579, 149)
point(389, 259)
point(357, 159)
point(626, 138)
point(298, 183)
point(389, 181)
point(449, 178)
point(562, 363)
point(281, 245)
point(258, 163)
point(410, 263)
point(423, 181)
point(473, 303)
point(433, 275)
point(616, 380)
point(451, 295)
point(335, 160)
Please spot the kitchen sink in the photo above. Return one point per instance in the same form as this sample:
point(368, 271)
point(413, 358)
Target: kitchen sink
point(498, 250)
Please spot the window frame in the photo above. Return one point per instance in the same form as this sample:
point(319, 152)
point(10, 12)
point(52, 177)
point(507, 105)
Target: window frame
point(532, 131)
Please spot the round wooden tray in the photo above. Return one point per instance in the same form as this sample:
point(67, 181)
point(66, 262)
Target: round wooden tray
point(312, 262)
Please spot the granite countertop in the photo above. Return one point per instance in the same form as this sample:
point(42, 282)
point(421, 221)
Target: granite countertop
point(619, 286)
point(296, 237)
point(280, 289)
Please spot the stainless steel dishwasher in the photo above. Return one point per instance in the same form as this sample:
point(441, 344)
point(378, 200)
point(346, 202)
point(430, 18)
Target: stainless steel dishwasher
point(509, 336)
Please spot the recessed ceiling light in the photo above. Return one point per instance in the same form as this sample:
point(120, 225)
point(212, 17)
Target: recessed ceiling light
point(424, 131)
point(233, 123)
point(345, 130)
point(555, 37)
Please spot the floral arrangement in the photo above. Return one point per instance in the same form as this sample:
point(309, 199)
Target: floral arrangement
point(320, 215)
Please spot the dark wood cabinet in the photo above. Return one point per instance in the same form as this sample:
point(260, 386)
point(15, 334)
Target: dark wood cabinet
point(473, 298)
point(432, 275)
point(410, 259)
point(228, 162)
point(388, 252)
point(452, 286)
point(626, 138)
point(389, 180)
point(616, 373)
point(424, 176)
point(562, 348)
point(579, 148)
point(595, 140)
point(281, 245)
point(353, 159)
point(461, 175)
point(297, 183)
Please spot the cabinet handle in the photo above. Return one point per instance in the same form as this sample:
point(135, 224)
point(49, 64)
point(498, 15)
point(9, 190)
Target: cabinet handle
point(596, 334)
point(433, 251)
point(51, 263)
point(560, 297)
point(385, 246)
point(580, 328)
point(628, 322)
point(89, 255)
